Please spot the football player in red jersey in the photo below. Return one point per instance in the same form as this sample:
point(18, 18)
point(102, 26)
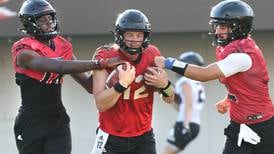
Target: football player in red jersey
point(242, 69)
point(125, 110)
point(40, 61)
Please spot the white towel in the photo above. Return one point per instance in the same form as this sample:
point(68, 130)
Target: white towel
point(248, 135)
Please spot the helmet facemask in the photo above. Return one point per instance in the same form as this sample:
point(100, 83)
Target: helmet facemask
point(216, 39)
point(30, 12)
point(32, 27)
point(54, 28)
point(237, 30)
point(132, 20)
point(235, 14)
point(119, 39)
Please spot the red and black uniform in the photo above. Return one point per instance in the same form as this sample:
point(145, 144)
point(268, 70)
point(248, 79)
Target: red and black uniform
point(248, 93)
point(42, 115)
point(131, 116)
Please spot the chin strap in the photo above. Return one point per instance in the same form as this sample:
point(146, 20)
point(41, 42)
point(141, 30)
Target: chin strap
point(133, 51)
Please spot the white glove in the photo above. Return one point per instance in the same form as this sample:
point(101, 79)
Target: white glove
point(248, 135)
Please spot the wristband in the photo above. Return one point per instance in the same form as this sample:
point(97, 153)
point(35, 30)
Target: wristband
point(169, 63)
point(119, 88)
point(179, 67)
point(168, 90)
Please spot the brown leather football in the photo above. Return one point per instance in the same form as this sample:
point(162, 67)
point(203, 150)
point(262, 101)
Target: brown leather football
point(113, 77)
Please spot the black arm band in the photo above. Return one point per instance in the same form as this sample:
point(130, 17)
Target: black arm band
point(179, 70)
point(168, 90)
point(119, 88)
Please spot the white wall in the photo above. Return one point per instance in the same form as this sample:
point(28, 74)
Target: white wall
point(98, 16)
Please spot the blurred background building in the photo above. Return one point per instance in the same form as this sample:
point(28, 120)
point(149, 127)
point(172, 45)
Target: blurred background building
point(6, 13)
point(177, 25)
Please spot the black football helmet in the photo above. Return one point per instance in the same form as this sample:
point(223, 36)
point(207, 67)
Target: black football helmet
point(192, 57)
point(132, 20)
point(236, 14)
point(30, 11)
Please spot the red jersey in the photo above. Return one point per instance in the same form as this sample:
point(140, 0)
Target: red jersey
point(132, 114)
point(63, 50)
point(40, 91)
point(248, 91)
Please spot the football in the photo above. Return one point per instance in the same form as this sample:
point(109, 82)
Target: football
point(113, 76)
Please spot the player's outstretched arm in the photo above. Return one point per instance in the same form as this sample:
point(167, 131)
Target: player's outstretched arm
point(86, 80)
point(110, 62)
point(32, 60)
point(194, 72)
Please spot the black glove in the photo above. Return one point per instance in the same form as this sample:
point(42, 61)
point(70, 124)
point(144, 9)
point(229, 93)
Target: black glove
point(177, 98)
point(187, 135)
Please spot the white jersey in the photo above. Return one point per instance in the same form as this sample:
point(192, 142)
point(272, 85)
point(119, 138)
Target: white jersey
point(198, 98)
